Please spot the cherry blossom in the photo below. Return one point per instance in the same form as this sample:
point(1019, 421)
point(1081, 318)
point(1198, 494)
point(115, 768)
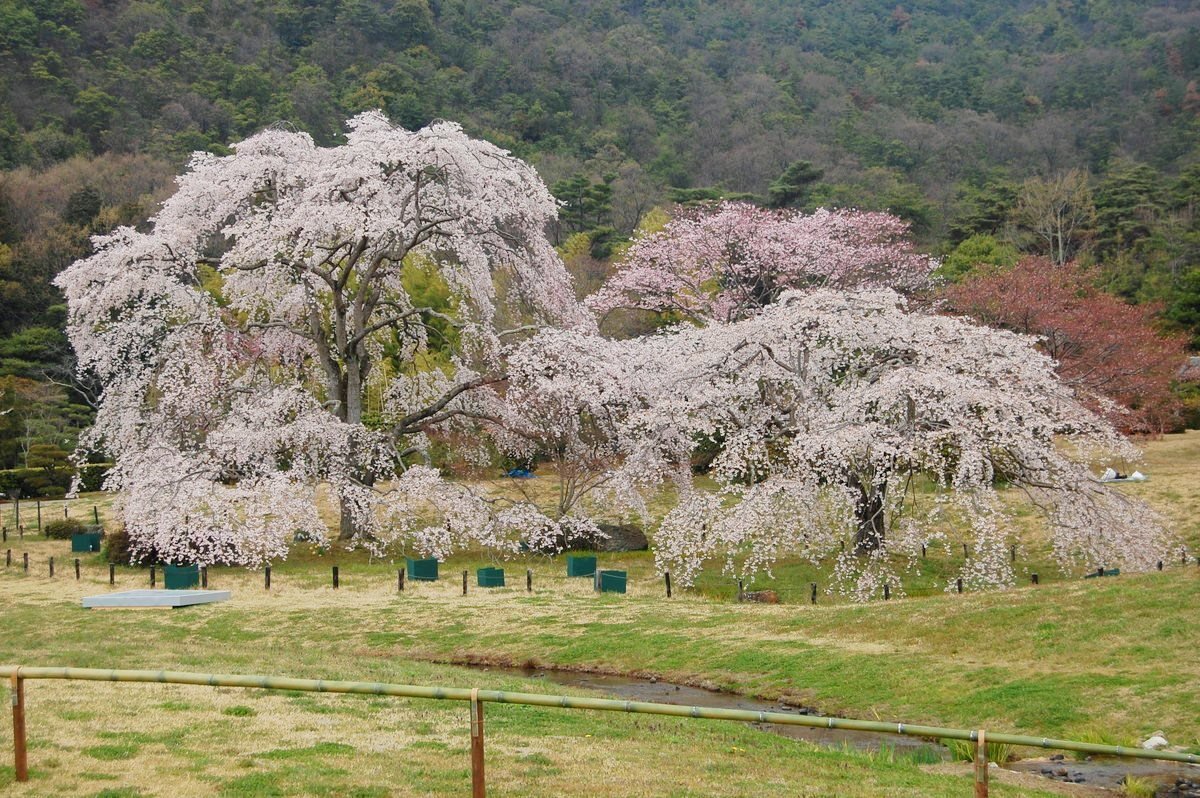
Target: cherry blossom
point(726, 262)
point(239, 339)
point(844, 416)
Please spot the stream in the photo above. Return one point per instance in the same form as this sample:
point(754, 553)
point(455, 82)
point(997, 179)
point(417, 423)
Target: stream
point(1173, 779)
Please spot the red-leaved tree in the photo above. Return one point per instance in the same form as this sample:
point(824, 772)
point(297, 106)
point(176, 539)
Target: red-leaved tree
point(1110, 351)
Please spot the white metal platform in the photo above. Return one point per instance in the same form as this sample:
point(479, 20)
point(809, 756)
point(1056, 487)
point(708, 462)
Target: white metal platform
point(155, 598)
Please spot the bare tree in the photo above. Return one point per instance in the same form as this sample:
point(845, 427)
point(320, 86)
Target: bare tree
point(1057, 213)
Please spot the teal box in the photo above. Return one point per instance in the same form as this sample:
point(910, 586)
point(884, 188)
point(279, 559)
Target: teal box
point(612, 581)
point(86, 541)
point(181, 577)
point(580, 566)
point(421, 570)
point(490, 577)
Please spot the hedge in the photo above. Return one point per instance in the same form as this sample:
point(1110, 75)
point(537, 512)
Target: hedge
point(40, 483)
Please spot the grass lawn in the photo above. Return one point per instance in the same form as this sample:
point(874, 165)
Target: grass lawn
point(1108, 660)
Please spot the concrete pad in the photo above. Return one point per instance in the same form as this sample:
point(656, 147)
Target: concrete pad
point(155, 598)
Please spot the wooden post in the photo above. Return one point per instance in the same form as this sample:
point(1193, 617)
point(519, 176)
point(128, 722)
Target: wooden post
point(25, 561)
point(528, 580)
point(981, 765)
point(95, 515)
point(400, 581)
point(17, 513)
point(335, 577)
point(843, 546)
point(464, 583)
point(4, 533)
point(1034, 578)
point(1100, 571)
point(65, 508)
point(76, 569)
point(813, 593)
point(20, 755)
point(667, 577)
point(965, 555)
point(478, 785)
point(1160, 565)
point(152, 575)
point(959, 584)
point(1014, 552)
point(8, 558)
point(887, 591)
point(112, 574)
point(51, 566)
point(922, 551)
point(741, 590)
point(267, 578)
point(1183, 556)
point(203, 576)
point(39, 513)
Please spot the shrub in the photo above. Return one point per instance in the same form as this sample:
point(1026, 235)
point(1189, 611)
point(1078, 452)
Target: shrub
point(115, 547)
point(63, 528)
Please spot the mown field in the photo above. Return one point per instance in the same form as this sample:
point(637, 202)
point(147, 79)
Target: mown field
point(1108, 660)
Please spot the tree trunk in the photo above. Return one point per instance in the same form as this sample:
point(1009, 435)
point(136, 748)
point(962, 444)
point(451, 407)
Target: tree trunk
point(352, 403)
point(870, 517)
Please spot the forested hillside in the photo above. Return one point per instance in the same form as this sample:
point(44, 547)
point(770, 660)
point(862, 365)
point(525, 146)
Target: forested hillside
point(959, 115)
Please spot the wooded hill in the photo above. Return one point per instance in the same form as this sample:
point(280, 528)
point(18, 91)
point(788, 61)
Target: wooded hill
point(938, 110)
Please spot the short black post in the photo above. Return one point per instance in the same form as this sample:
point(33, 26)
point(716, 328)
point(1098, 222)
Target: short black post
point(400, 581)
point(112, 574)
point(8, 558)
point(812, 596)
point(76, 569)
point(528, 580)
point(39, 513)
point(922, 551)
point(1160, 565)
point(21, 533)
point(965, 555)
point(25, 557)
point(335, 577)
point(152, 576)
point(1014, 552)
point(4, 533)
point(1100, 571)
point(1034, 578)
point(959, 584)
point(843, 546)
point(741, 590)
point(887, 591)
point(667, 578)
point(52, 566)
point(95, 515)
point(204, 576)
point(464, 583)
point(65, 509)
point(267, 578)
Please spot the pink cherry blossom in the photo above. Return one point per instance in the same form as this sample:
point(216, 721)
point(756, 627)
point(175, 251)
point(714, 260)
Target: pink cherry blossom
point(724, 263)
